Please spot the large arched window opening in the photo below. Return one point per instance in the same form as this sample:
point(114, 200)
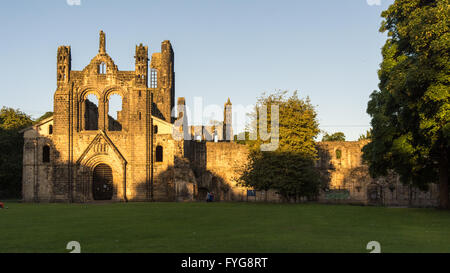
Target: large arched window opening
point(46, 154)
point(91, 112)
point(159, 153)
point(115, 104)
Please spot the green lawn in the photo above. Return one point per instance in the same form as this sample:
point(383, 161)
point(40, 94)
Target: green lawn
point(221, 227)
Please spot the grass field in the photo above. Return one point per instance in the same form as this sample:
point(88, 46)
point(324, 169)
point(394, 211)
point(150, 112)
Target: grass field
point(221, 227)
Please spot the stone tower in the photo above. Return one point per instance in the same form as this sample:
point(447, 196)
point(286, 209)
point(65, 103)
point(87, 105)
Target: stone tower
point(141, 64)
point(63, 65)
point(163, 81)
point(90, 155)
point(227, 121)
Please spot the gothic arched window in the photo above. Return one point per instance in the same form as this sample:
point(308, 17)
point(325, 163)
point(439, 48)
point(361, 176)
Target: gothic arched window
point(115, 106)
point(91, 112)
point(159, 153)
point(46, 154)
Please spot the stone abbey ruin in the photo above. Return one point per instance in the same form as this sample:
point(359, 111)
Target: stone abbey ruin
point(84, 154)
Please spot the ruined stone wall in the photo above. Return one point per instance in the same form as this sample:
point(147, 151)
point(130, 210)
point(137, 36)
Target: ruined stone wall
point(85, 135)
point(338, 158)
point(148, 165)
point(121, 144)
point(163, 64)
point(216, 166)
point(163, 171)
point(37, 174)
point(349, 180)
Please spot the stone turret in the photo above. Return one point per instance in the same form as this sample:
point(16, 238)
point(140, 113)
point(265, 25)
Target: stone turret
point(163, 81)
point(141, 64)
point(102, 43)
point(63, 65)
point(227, 121)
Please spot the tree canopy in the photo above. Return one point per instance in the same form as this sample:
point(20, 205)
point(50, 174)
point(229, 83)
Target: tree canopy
point(411, 111)
point(298, 125)
point(13, 119)
point(338, 136)
point(11, 144)
point(44, 116)
point(290, 168)
point(366, 136)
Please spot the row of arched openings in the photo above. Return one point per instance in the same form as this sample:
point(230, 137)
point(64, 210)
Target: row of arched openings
point(91, 114)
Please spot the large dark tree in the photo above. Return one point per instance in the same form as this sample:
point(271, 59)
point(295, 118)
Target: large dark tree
point(11, 150)
point(411, 111)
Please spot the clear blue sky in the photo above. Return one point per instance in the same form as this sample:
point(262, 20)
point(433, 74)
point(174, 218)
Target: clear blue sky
point(326, 49)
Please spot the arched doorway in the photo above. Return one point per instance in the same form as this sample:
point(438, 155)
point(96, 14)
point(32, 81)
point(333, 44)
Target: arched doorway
point(201, 194)
point(102, 182)
point(374, 194)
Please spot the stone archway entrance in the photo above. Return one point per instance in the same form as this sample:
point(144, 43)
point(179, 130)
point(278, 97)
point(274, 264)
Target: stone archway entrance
point(374, 194)
point(102, 182)
point(201, 194)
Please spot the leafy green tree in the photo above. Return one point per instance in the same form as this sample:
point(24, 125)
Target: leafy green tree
point(298, 125)
point(243, 138)
point(11, 147)
point(338, 136)
point(13, 119)
point(44, 116)
point(291, 174)
point(290, 169)
point(411, 111)
point(367, 136)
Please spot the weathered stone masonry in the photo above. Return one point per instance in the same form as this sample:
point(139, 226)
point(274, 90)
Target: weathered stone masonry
point(82, 154)
point(349, 180)
point(85, 136)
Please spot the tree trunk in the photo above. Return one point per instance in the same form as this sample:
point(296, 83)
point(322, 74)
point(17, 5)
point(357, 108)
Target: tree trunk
point(443, 180)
